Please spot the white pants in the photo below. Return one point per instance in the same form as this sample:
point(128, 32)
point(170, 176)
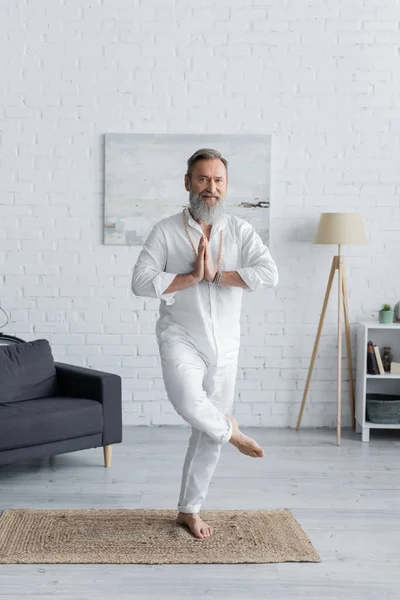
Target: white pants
point(202, 394)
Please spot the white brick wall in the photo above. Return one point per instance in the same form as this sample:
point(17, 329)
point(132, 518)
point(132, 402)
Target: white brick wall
point(322, 77)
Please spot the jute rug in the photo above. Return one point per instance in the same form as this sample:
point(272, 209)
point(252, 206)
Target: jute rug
point(123, 536)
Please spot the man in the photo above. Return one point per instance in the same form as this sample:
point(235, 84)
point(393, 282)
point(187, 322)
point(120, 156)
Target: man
point(197, 263)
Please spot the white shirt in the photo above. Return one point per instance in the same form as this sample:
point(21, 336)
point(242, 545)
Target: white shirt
point(205, 315)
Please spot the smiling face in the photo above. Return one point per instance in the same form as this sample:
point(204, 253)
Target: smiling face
point(207, 188)
point(208, 180)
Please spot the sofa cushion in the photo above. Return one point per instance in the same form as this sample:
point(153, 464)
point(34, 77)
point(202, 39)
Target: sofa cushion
point(27, 371)
point(45, 420)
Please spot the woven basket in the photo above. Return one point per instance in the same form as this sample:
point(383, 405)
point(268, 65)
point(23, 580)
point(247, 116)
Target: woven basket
point(383, 408)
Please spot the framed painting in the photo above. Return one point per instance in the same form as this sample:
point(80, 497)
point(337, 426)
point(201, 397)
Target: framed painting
point(144, 180)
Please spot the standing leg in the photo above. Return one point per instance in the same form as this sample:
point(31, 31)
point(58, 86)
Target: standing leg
point(203, 452)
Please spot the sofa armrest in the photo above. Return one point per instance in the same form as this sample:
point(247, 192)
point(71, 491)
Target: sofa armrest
point(81, 382)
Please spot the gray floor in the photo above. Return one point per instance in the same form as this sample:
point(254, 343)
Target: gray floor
point(346, 498)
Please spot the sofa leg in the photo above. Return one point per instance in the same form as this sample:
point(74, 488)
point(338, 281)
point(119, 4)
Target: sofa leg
point(107, 455)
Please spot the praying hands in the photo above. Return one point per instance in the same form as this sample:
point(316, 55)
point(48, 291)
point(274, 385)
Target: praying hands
point(209, 269)
point(204, 266)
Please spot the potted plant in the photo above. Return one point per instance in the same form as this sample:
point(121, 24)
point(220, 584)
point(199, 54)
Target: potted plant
point(386, 314)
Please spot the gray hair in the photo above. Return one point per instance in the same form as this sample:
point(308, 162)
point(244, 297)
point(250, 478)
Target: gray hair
point(205, 154)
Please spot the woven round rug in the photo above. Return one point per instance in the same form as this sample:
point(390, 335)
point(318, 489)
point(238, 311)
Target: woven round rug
point(122, 536)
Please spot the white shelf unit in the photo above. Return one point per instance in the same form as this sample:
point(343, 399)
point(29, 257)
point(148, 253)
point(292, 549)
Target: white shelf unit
point(382, 335)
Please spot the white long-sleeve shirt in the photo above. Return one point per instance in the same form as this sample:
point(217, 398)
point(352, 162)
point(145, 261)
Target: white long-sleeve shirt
point(205, 315)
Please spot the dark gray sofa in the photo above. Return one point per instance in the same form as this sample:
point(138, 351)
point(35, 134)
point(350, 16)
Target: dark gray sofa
point(49, 408)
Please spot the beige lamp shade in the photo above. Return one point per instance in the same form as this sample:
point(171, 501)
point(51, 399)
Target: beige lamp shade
point(340, 228)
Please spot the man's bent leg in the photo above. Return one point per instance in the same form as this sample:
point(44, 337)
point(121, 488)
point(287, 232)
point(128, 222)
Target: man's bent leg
point(184, 371)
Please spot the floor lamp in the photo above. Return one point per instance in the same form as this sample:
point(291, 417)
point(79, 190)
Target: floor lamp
point(338, 229)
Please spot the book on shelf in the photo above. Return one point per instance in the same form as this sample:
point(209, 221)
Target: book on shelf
point(379, 360)
point(372, 363)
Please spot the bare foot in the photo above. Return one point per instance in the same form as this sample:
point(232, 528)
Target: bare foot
point(243, 443)
point(197, 526)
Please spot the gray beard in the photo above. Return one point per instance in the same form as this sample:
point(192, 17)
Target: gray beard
point(203, 212)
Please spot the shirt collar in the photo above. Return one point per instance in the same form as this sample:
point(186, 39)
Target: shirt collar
point(215, 228)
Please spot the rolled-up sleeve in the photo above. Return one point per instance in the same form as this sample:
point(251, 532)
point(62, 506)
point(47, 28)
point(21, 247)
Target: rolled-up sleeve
point(259, 269)
point(149, 276)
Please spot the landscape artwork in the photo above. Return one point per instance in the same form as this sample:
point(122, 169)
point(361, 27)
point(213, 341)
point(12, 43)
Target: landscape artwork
point(144, 180)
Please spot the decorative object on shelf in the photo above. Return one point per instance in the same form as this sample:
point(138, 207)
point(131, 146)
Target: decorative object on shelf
point(387, 358)
point(395, 368)
point(396, 312)
point(386, 314)
point(338, 229)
